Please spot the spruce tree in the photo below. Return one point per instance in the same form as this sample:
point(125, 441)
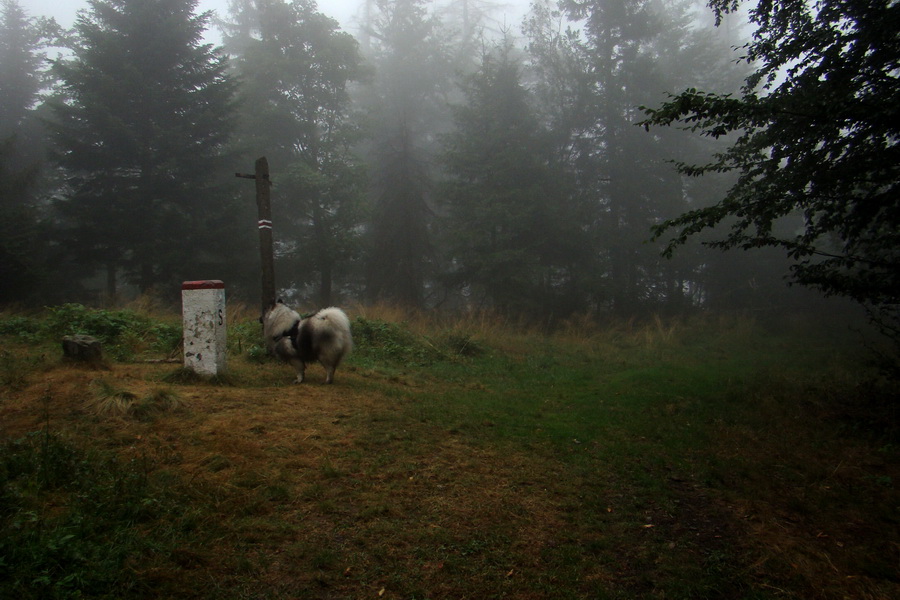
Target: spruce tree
point(145, 112)
point(513, 238)
point(23, 64)
point(297, 66)
point(405, 105)
point(591, 81)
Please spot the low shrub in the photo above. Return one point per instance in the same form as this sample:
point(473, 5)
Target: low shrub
point(124, 333)
point(393, 342)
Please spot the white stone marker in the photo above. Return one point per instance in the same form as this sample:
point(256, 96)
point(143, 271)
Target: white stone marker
point(203, 316)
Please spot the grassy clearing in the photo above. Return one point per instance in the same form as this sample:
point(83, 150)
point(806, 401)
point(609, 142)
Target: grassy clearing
point(468, 458)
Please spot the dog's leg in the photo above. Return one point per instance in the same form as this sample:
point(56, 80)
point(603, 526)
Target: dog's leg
point(300, 366)
point(329, 373)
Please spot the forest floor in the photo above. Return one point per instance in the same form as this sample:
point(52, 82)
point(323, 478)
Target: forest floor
point(688, 461)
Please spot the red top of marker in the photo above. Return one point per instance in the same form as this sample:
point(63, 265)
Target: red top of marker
point(207, 284)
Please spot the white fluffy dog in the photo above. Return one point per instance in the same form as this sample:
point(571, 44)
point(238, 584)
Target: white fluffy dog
point(323, 337)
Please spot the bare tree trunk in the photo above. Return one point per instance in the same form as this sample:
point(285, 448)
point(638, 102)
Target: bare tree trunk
point(111, 283)
point(326, 286)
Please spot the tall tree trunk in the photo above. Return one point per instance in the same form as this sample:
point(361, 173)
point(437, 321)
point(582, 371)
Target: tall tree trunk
point(325, 284)
point(111, 283)
point(147, 279)
point(323, 249)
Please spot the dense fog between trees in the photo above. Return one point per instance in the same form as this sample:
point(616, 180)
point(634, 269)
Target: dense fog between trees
point(431, 155)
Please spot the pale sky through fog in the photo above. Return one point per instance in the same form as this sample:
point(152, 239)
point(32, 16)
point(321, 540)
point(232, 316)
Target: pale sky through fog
point(509, 13)
point(64, 10)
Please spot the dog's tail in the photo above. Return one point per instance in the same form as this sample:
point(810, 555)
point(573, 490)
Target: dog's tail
point(335, 317)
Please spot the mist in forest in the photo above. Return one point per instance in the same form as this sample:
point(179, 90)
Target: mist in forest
point(454, 154)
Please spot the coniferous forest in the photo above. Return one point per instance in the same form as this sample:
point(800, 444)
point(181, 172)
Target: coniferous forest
point(614, 269)
point(627, 158)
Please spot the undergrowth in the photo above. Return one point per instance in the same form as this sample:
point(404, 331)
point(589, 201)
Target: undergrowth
point(77, 523)
point(375, 341)
point(124, 333)
point(379, 340)
point(17, 367)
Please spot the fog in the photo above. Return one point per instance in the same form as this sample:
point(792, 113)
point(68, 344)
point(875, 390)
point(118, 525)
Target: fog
point(64, 11)
point(441, 157)
point(346, 12)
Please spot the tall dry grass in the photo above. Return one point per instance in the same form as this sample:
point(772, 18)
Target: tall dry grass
point(493, 328)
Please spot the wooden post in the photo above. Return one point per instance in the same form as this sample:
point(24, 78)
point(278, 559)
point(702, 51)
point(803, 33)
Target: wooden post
point(264, 211)
point(266, 252)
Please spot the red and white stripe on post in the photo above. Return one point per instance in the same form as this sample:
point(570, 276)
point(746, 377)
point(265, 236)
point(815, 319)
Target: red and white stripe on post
point(203, 317)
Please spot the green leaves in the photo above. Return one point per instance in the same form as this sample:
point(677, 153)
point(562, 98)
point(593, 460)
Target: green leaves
point(818, 147)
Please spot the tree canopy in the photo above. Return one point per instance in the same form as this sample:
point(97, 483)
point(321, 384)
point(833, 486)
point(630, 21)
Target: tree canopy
point(511, 234)
point(815, 150)
point(405, 103)
point(23, 41)
point(23, 67)
point(406, 170)
point(297, 67)
point(145, 113)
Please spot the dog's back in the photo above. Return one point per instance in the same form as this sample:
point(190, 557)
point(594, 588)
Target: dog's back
point(324, 337)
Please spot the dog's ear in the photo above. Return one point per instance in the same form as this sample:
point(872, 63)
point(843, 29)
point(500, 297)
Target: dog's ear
point(280, 301)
